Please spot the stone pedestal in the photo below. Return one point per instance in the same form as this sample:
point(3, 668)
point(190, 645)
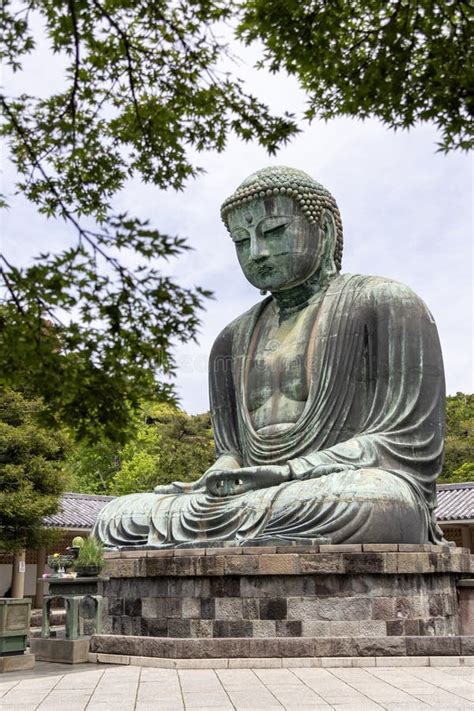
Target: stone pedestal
point(305, 600)
point(17, 662)
point(63, 651)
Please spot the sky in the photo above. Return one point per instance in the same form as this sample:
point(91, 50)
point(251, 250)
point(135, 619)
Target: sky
point(406, 211)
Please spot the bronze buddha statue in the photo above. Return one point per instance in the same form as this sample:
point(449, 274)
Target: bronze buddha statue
point(327, 397)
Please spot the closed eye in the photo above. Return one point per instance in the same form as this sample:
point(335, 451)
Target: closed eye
point(274, 225)
point(240, 234)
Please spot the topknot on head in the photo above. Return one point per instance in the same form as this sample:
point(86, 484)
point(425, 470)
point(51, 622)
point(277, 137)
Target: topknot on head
point(311, 196)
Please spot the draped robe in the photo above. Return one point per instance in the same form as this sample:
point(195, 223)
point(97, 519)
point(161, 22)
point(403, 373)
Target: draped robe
point(375, 405)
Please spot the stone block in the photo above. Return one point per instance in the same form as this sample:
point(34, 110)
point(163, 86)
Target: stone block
point(17, 662)
point(201, 628)
point(154, 628)
point(179, 628)
point(166, 553)
point(241, 564)
point(402, 661)
point(279, 564)
point(411, 628)
point(383, 608)
point(334, 662)
point(380, 646)
point(317, 628)
point(259, 550)
point(269, 647)
point(295, 647)
point(257, 663)
point(288, 628)
point(208, 609)
point(121, 568)
point(63, 651)
point(340, 548)
point(362, 563)
point(225, 586)
point(380, 547)
point(223, 551)
point(466, 606)
point(191, 607)
point(299, 549)
point(250, 609)
point(299, 662)
point(161, 607)
point(467, 644)
point(264, 628)
point(113, 659)
point(212, 648)
point(157, 662)
point(395, 627)
point(363, 661)
point(228, 608)
point(135, 553)
point(211, 565)
point(415, 563)
point(433, 646)
point(232, 628)
point(132, 607)
point(372, 628)
point(201, 663)
point(446, 661)
point(321, 563)
point(115, 606)
point(408, 606)
point(191, 552)
point(435, 605)
point(273, 608)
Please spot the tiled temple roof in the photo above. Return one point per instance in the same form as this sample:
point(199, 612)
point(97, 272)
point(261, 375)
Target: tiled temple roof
point(455, 502)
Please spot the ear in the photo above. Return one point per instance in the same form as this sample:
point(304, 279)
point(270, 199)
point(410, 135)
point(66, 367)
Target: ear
point(328, 227)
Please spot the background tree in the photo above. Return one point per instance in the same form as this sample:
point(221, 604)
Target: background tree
point(31, 472)
point(167, 445)
point(402, 61)
point(459, 448)
point(142, 89)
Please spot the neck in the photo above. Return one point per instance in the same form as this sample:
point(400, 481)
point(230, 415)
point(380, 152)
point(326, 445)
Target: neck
point(297, 297)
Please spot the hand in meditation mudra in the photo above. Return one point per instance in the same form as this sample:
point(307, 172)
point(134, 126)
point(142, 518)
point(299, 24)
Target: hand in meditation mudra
point(327, 397)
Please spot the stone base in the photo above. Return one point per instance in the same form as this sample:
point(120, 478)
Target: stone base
point(62, 651)
point(311, 647)
point(17, 662)
point(280, 662)
point(308, 592)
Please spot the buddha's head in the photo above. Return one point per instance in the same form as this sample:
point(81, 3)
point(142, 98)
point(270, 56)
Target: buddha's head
point(286, 228)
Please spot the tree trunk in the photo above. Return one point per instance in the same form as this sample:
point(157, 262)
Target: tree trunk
point(18, 578)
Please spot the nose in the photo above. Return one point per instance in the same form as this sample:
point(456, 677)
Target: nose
point(258, 248)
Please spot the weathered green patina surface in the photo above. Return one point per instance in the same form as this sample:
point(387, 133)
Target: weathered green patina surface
point(326, 397)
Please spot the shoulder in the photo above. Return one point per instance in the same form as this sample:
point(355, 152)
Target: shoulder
point(236, 329)
point(379, 292)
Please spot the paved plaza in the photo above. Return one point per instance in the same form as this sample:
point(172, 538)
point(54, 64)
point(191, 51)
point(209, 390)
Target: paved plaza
point(51, 687)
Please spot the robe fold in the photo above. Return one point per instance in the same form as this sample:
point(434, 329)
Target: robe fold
point(375, 405)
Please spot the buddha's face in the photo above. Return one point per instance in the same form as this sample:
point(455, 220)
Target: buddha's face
point(276, 246)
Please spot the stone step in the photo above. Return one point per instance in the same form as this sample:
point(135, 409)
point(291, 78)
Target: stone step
point(282, 647)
